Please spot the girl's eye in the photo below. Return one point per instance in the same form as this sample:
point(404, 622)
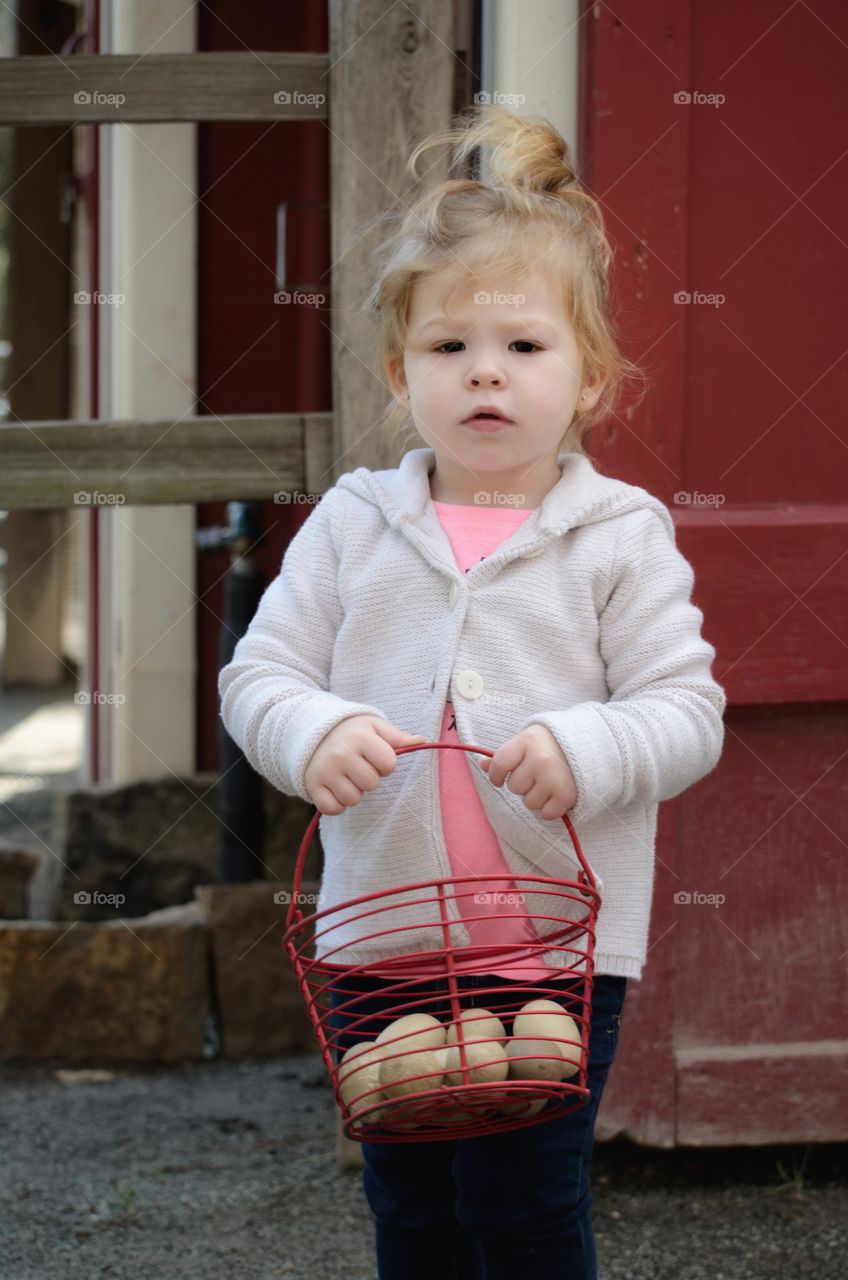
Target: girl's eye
point(518, 342)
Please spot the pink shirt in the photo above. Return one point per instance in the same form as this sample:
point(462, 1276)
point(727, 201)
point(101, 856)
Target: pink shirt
point(474, 533)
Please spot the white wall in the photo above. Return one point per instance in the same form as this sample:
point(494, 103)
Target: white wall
point(531, 50)
point(147, 369)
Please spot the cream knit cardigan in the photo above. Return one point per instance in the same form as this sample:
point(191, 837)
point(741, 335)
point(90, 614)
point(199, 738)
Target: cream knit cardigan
point(581, 620)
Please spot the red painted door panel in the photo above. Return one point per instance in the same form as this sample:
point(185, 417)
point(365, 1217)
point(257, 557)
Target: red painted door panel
point(736, 1032)
point(254, 355)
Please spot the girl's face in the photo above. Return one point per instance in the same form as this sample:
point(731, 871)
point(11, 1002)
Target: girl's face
point(514, 351)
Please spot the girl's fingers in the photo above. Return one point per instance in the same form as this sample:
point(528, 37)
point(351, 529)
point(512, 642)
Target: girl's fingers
point(326, 802)
point(537, 796)
point(551, 809)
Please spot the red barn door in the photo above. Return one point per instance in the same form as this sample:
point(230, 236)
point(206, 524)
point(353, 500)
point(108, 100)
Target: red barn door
point(713, 135)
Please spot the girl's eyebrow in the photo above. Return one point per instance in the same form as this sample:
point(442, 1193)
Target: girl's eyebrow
point(518, 322)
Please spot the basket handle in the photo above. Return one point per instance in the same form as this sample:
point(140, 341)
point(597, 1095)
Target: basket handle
point(294, 915)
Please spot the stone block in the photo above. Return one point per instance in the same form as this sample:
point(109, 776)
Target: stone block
point(123, 991)
point(144, 846)
point(17, 867)
point(260, 1007)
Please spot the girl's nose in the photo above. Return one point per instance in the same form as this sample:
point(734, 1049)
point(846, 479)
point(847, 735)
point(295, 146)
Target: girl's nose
point(479, 376)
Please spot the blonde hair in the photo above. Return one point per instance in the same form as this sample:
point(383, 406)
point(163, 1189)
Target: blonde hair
point(531, 208)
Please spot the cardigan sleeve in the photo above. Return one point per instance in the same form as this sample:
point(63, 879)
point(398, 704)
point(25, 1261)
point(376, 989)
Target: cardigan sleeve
point(274, 692)
point(661, 729)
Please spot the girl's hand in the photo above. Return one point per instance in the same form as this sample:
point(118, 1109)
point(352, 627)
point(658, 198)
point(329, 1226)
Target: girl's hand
point(351, 759)
point(538, 771)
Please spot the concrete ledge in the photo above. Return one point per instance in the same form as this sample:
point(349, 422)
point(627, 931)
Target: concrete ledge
point(142, 989)
point(120, 991)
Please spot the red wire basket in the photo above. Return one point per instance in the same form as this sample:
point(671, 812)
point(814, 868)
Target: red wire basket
point(469, 1059)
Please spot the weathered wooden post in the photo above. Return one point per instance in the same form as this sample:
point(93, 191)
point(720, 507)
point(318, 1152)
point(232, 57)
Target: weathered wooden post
point(391, 83)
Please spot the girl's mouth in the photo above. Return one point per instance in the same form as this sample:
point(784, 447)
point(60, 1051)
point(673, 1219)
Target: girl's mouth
point(487, 423)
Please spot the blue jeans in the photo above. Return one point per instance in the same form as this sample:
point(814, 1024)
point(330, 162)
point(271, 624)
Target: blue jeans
point(508, 1206)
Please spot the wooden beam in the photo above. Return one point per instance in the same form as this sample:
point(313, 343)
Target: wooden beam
point(166, 87)
point(406, 50)
point(206, 459)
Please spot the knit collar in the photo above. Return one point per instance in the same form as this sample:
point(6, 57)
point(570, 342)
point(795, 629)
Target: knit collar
point(581, 495)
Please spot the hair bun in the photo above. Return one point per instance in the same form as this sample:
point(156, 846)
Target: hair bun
point(527, 153)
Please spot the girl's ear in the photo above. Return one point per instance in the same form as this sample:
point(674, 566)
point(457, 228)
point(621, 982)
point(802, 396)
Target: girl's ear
point(394, 373)
point(591, 391)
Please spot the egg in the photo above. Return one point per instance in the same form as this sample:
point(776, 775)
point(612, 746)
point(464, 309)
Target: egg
point(454, 1115)
point(539, 1020)
point(413, 1031)
point(478, 1024)
point(397, 1074)
point(392, 1117)
point(486, 1062)
point(413, 1045)
point(544, 1063)
point(523, 1108)
point(359, 1073)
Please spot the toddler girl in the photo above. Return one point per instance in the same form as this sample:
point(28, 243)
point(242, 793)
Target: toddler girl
point(494, 589)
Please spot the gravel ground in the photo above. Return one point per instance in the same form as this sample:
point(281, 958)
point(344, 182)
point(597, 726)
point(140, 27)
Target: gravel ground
point(227, 1170)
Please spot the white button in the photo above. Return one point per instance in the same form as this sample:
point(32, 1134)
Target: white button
point(452, 594)
point(469, 684)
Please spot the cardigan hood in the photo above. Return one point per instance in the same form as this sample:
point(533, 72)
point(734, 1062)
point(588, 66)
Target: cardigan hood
point(581, 496)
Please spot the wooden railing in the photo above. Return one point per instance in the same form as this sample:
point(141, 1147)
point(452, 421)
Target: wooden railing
point(174, 88)
point(206, 459)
